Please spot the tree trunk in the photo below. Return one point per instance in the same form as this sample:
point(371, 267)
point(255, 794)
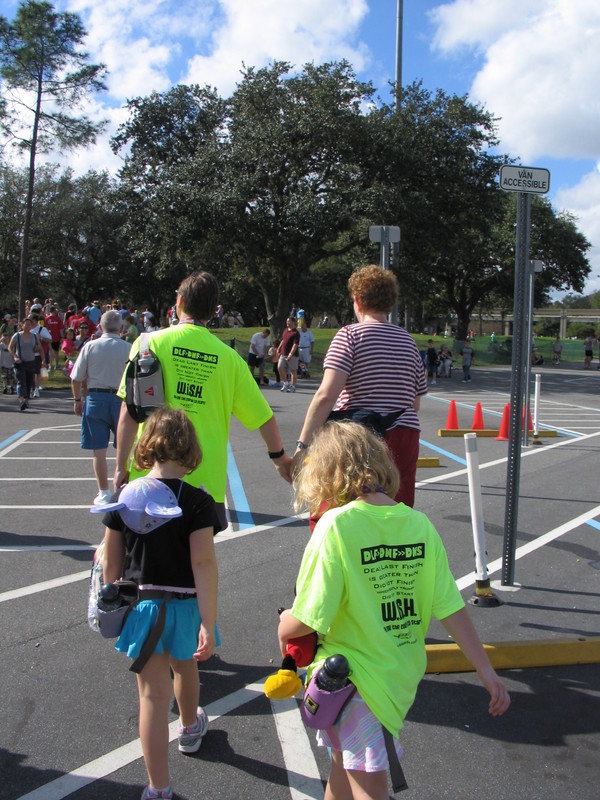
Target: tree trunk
point(29, 206)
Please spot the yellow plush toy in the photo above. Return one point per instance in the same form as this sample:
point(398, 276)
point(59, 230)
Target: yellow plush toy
point(285, 683)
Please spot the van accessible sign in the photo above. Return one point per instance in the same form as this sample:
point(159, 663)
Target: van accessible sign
point(531, 180)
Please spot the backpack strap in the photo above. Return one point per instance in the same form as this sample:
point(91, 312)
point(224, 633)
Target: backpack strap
point(396, 773)
point(152, 640)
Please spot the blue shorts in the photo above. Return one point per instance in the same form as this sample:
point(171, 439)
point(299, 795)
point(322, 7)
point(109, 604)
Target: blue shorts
point(180, 636)
point(100, 417)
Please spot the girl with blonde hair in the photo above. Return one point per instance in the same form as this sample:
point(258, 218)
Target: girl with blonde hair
point(373, 574)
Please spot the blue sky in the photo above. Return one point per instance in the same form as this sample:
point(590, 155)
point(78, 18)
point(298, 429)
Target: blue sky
point(535, 64)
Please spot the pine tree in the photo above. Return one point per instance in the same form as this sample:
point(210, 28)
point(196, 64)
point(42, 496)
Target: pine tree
point(45, 77)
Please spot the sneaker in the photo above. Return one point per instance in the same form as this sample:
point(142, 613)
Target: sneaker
point(291, 388)
point(284, 387)
point(103, 497)
point(5, 390)
point(463, 380)
point(23, 405)
point(36, 393)
point(434, 383)
point(190, 738)
point(153, 794)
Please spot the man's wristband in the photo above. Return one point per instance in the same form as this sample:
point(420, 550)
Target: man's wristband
point(277, 454)
point(77, 399)
point(301, 446)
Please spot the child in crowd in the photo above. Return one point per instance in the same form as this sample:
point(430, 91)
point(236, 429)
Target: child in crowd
point(468, 357)
point(373, 574)
point(7, 365)
point(69, 348)
point(272, 354)
point(431, 361)
point(177, 556)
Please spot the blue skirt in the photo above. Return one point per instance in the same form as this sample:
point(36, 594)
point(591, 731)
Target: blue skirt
point(180, 636)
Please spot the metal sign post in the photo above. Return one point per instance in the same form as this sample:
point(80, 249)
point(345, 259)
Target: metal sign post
point(525, 181)
point(385, 235)
point(388, 237)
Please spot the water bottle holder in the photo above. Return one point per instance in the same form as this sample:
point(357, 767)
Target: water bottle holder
point(321, 709)
point(110, 623)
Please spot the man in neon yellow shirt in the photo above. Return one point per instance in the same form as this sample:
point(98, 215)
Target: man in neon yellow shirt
point(210, 381)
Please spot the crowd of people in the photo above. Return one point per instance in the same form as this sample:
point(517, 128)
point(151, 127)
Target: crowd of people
point(50, 338)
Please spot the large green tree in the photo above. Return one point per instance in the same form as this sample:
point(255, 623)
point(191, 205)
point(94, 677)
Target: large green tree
point(45, 76)
point(299, 169)
point(76, 248)
point(170, 182)
point(258, 188)
point(13, 190)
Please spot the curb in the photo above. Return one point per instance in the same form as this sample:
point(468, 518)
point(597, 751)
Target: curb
point(517, 655)
point(449, 432)
point(428, 461)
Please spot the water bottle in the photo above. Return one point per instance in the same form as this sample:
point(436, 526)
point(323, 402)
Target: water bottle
point(146, 361)
point(333, 675)
point(109, 598)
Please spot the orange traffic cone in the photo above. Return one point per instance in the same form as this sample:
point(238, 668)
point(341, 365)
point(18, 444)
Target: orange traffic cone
point(504, 425)
point(530, 428)
point(452, 421)
point(477, 419)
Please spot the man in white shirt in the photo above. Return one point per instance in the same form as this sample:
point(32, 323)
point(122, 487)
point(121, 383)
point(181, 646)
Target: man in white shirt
point(305, 351)
point(100, 365)
point(259, 344)
point(45, 338)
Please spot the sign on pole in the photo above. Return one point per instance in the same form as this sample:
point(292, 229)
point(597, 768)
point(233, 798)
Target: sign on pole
point(384, 233)
point(525, 181)
point(531, 180)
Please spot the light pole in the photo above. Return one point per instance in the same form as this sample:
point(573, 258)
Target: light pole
point(399, 23)
point(398, 86)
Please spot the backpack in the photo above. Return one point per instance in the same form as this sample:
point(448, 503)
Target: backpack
point(144, 385)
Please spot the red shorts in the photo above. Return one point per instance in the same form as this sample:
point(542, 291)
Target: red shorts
point(403, 444)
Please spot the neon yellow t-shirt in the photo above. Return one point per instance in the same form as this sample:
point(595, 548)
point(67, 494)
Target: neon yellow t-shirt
point(370, 580)
point(210, 381)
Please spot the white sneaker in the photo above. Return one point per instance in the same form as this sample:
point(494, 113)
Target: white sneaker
point(434, 383)
point(190, 738)
point(291, 388)
point(36, 393)
point(284, 387)
point(103, 497)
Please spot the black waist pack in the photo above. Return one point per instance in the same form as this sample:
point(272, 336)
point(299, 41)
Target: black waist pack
point(378, 423)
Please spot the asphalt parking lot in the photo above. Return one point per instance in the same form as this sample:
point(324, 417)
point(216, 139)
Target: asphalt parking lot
point(70, 705)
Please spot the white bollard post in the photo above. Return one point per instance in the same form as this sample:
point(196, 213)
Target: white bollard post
point(483, 593)
point(536, 409)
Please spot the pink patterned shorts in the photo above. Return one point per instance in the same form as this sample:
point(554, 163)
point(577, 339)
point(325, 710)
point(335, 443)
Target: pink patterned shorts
point(358, 735)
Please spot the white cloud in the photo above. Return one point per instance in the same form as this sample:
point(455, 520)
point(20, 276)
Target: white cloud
point(583, 201)
point(539, 75)
point(475, 24)
point(541, 70)
point(264, 30)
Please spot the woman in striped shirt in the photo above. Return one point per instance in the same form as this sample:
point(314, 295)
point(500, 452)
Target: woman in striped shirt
point(375, 366)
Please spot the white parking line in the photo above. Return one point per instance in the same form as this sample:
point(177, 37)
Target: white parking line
point(303, 773)
point(128, 753)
